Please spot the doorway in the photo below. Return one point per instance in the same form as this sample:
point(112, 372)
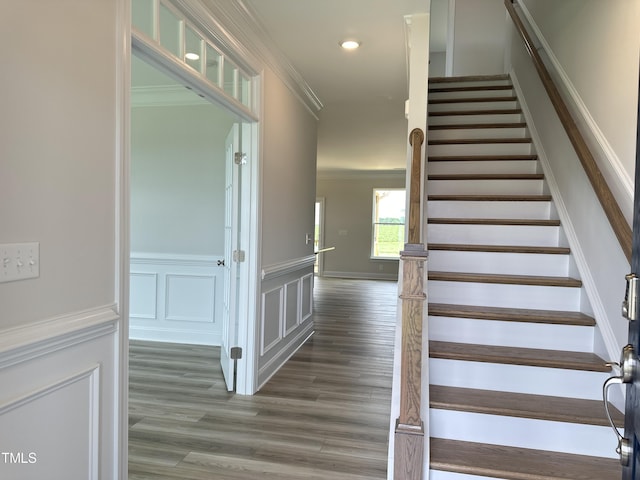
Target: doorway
point(190, 224)
point(318, 237)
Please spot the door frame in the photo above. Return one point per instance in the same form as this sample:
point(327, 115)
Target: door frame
point(320, 257)
point(250, 238)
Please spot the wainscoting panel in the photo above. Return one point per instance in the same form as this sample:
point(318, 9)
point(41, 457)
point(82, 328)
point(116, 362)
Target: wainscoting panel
point(176, 298)
point(307, 297)
point(58, 416)
point(189, 298)
point(144, 304)
point(292, 315)
point(271, 321)
point(287, 308)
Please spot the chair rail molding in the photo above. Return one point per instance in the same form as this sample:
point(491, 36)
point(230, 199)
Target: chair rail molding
point(24, 343)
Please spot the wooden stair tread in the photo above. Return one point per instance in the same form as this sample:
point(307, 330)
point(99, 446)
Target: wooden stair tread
point(477, 88)
point(494, 221)
point(469, 78)
point(492, 198)
point(478, 141)
point(472, 126)
point(480, 158)
point(487, 176)
point(441, 101)
point(513, 463)
point(458, 247)
point(533, 280)
point(533, 357)
point(498, 111)
point(557, 317)
point(539, 407)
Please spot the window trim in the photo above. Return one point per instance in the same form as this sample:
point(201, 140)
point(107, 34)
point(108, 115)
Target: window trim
point(372, 256)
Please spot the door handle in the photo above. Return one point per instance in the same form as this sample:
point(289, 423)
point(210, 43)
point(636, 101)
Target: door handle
point(624, 445)
point(221, 263)
point(627, 366)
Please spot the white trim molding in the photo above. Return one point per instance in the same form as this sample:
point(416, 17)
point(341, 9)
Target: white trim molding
point(31, 341)
point(285, 268)
point(164, 96)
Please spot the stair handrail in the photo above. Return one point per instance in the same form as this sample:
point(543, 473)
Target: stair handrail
point(416, 139)
point(618, 223)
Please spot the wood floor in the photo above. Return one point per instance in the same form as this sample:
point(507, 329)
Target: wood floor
point(325, 415)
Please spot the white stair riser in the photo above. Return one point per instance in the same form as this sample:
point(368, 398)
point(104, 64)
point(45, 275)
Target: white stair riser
point(517, 378)
point(508, 296)
point(486, 209)
point(499, 263)
point(523, 432)
point(480, 149)
point(441, 475)
point(485, 187)
point(511, 334)
point(484, 166)
point(449, 134)
point(538, 236)
point(471, 94)
point(478, 118)
point(465, 106)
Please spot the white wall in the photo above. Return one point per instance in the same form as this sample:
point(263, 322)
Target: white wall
point(600, 261)
point(177, 179)
point(348, 216)
point(289, 143)
point(288, 164)
point(480, 34)
point(57, 148)
point(602, 81)
point(59, 145)
point(378, 143)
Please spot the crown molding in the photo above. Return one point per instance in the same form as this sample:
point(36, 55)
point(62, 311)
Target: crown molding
point(243, 37)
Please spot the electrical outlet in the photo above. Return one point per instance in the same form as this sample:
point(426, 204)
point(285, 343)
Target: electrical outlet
point(19, 261)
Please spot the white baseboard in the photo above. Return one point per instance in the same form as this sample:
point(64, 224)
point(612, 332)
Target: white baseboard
point(360, 275)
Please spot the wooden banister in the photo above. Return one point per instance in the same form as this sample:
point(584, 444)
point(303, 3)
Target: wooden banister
point(609, 204)
point(409, 432)
point(416, 139)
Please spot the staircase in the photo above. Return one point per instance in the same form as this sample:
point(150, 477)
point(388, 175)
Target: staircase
point(515, 386)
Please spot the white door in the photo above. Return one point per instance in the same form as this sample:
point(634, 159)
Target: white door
point(231, 270)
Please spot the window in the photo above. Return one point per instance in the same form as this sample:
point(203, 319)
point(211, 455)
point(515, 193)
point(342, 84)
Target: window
point(388, 222)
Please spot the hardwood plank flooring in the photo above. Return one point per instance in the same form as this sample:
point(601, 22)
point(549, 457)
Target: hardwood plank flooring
point(324, 415)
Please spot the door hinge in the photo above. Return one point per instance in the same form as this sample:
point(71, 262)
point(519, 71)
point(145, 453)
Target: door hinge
point(235, 353)
point(238, 256)
point(240, 158)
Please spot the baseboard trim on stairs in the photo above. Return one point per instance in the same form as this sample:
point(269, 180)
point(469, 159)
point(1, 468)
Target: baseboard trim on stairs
point(611, 345)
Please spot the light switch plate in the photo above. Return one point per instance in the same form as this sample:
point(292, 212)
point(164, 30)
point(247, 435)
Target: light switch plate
point(19, 261)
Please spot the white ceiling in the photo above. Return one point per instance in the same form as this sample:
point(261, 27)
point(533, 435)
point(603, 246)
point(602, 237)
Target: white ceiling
point(308, 32)
point(362, 125)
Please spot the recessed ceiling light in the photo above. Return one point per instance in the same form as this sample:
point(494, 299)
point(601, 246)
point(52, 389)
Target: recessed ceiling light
point(192, 56)
point(349, 44)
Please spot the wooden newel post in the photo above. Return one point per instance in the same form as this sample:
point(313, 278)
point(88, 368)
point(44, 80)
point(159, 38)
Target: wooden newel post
point(409, 433)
